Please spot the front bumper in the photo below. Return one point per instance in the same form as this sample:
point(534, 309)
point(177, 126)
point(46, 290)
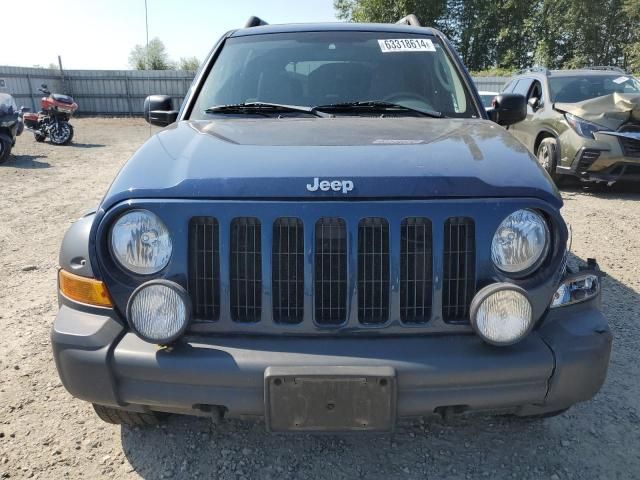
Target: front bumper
point(562, 363)
point(600, 160)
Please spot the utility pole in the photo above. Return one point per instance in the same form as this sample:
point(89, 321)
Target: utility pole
point(146, 23)
point(65, 86)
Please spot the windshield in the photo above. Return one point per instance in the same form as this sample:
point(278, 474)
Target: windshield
point(323, 68)
point(579, 88)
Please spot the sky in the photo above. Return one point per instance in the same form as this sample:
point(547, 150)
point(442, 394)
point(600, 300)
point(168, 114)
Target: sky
point(99, 34)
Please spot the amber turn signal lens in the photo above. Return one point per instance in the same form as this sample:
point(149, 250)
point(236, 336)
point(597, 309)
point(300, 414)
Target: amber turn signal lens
point(83, 290)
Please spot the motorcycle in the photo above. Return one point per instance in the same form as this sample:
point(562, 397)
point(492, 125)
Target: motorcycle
point(11, 125)
point(53, 120)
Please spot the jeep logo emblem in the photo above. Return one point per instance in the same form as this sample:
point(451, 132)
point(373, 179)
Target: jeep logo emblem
point(325, 185)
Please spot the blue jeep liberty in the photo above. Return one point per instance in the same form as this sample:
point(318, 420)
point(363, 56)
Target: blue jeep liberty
point(332, 233)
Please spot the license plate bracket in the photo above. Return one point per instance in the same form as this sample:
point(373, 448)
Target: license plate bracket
point(330, 399)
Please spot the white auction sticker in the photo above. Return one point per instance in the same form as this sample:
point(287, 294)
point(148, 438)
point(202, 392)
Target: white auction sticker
point(390, 45)
point(620, 79)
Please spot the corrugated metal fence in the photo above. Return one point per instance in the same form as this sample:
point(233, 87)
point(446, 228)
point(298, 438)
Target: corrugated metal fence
point(117, 92)
point(490, 84)
point(98, 92)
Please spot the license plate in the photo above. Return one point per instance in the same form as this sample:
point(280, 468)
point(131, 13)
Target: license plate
point(330, 399)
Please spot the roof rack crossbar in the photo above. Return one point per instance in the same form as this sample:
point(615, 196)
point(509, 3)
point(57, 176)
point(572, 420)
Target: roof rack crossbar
point(255, 22)
point(606, 67)
point(409, 20)
point(544, 70)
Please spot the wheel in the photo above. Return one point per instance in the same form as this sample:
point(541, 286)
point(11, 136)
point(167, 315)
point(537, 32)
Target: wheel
point(5, 147)
point(548, 158)
point(61, 133)
point(70, 136)
point(123, 417)
point(39, 137)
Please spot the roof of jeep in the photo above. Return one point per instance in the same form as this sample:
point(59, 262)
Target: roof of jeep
point(568, 73)
point(333, 27)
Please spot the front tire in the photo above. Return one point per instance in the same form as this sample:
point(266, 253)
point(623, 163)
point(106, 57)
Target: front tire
point(115, 416)
point(5, 147)
point(547, 154)
point(61, 133)
point(70, 136)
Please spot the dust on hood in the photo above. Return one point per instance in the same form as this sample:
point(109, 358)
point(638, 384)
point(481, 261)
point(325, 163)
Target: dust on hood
point(610, 111)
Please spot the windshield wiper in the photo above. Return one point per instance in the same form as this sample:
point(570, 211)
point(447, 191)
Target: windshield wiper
point(376, 105)
point(263, 108)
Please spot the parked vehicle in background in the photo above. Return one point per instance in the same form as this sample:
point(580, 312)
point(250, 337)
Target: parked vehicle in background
point(53, 120)
point(581, 123)
point(331, 234)
point(11, 125)
point(487, 97)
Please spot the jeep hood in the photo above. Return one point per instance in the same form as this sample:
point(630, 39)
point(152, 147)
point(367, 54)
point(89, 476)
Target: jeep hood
point(610, 111)
point(270, 158)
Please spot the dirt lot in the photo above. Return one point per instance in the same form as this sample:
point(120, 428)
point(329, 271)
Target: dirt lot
point(45, 433)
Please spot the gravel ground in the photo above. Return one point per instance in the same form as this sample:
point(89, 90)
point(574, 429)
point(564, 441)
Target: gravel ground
point(45, 433)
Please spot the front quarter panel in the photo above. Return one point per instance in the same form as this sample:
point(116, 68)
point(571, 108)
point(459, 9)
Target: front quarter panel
point(74, 251)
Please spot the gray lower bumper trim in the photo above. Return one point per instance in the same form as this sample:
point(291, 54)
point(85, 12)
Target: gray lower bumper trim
point(560, 364)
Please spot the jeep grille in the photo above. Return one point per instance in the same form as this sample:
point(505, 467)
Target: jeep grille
point(328, 261)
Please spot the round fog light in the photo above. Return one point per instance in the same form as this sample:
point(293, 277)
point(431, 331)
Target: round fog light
point(159, 311)
point(501, 314)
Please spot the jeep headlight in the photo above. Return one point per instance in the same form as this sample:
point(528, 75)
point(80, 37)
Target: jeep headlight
point(159, 311)
point(501, 314)
point(140, 242)
point(520, 242)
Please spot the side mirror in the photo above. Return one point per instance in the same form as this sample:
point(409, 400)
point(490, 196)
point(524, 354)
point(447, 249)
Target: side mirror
point(158, 110)
point(508, 108)
point(534, 103)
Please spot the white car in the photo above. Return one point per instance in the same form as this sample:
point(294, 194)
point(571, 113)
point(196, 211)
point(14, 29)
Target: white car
point(486, 97)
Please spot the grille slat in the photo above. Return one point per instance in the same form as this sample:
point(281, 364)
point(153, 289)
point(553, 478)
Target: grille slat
point(630, 147)
point(246, 270)
point(288, 270)
point(330, 271)
point(373, 270)
point(459, 268)
point(416, 270)
point(204, 267)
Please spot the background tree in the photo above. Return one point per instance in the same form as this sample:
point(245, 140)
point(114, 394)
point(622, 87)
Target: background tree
point(154, 57)
point(386, 11)
point(513, 34)
point(188, 63)
point(631, 49)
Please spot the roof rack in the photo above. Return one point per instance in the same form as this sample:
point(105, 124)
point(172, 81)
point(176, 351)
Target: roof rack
point(255, 22)
point(409, 20)
point(606, 67)
point(536, 69)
